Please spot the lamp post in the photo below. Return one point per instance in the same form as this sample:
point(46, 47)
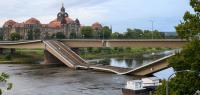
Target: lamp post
point(103, 35)
point(152, 28)
point(141, 36)
point(83, 36)
point(167, 82)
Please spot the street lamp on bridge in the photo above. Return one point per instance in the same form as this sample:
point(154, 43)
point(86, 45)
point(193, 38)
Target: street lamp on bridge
point(152, 28)
point(83, 36)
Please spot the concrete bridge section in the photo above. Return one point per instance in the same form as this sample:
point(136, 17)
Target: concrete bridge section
point(65, 54)
point(22, 44)
point(140, 43)
point(84, 43)
point(147, 69)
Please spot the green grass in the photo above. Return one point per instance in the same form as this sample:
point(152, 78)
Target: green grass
point(23, 56)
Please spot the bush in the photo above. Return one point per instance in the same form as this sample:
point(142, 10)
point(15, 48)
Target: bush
point(8, 57)
point(4, 78)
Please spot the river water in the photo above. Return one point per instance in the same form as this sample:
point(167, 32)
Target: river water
point(131, 62)
point(38, 79)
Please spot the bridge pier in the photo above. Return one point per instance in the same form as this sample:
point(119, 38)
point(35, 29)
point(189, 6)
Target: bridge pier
point(50, 59)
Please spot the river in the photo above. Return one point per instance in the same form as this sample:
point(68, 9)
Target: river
point(40, 79)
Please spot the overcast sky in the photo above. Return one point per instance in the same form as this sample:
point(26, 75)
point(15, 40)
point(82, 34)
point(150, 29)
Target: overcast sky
point(121, 14)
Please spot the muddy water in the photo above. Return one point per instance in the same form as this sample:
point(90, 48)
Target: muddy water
point(29, 79)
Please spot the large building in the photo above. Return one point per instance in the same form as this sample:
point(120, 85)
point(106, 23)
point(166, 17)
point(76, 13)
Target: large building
point(32, 28)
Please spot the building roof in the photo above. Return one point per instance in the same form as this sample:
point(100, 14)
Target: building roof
point(32, 21)
point(9, 23)
point(54, 24)
point(96, 25)
point(57, 24)
point(19, 25)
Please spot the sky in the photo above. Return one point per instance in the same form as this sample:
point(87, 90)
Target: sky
point(120, 14)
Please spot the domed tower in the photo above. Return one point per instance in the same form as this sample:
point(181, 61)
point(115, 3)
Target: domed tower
point(62, 15)
point(77, 22)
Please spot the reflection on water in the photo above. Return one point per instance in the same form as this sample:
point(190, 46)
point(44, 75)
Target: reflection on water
point(134, 62)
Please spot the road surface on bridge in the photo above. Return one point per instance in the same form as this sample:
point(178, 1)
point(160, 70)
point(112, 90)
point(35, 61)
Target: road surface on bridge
point(84, 43)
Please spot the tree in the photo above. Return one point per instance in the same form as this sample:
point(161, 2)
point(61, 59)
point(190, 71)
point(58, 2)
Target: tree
point(53, 36)
point(117, 35)
point(1, 37)
point(73, 35)
point(157, 34)
point(60, 35)
point(134, 34)
point(30, 35)
point(37, 34)
point(186, 83)
point(147, 34)
point(5, 85)
point(15, 36)
point(106, 32)
point(189, 27)
point(87, 32)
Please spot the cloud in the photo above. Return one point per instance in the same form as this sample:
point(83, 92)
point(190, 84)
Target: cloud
point(121, 14)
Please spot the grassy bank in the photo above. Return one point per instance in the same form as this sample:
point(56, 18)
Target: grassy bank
point(95, 53)
point(23, 56)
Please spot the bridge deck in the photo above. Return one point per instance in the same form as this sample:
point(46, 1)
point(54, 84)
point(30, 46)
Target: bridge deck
point(117, 70)
point(84, 43)
point(65, 54)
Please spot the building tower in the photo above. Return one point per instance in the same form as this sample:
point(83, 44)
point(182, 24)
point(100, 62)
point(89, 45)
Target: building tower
point(62, 15)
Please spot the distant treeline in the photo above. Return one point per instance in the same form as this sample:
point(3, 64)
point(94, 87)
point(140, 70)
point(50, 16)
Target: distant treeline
point(107, 33)
point(144, 34)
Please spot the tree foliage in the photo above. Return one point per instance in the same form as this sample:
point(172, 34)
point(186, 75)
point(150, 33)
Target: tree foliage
point(189, 27)
point(143, 34)
point(117, 35)
point(60, 35)
point(5, 85)
point(15, 36)
point(30, 35)
point(73, 35)
point(87, 32)
point(186, 83)
point(106, 32)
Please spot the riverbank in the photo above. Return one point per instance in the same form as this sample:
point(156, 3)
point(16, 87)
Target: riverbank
point(23, 56)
